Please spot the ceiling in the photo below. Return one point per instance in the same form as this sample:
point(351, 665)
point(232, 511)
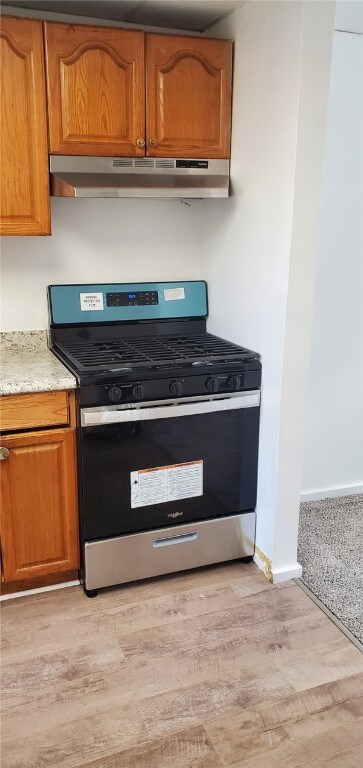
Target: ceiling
point(194, 15)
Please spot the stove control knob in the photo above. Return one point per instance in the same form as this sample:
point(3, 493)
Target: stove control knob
point(176, 388)
point(234, 382)
point(115, 394)
point(212, 384)
point(138, 392)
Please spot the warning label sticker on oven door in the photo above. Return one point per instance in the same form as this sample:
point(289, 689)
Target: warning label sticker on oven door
point(170, 483)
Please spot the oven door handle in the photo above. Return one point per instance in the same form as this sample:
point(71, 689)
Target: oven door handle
point(92, 417)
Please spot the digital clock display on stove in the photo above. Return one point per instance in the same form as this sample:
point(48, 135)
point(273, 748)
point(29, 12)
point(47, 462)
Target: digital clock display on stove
point(138, 299)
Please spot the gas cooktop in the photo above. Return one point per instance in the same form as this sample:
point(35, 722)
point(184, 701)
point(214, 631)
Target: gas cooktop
point(134, 342)
point(153, 352)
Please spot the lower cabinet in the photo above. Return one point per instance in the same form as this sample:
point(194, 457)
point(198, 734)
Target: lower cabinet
point(39, 522)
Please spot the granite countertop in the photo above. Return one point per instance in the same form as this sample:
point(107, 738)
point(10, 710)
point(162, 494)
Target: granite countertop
point(27, 365)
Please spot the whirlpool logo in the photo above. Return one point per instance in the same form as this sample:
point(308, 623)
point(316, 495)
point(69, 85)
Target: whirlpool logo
point(175, 514)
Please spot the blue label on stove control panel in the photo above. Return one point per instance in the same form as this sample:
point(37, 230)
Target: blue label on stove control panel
point(126, 302)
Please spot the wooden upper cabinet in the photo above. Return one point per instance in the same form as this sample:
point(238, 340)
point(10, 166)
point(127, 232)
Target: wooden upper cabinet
point(24, 176)
point(39, 523)
point(188, 101)
point(96, 86)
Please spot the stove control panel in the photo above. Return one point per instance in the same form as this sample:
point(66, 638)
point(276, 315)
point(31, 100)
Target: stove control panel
point(115, 394)
point(213, 384)
point(132, 299)
point(234, 382)
point(138, 392)
point(169, 388)
point(176, 387)
point(99, 303)
point(224, 383)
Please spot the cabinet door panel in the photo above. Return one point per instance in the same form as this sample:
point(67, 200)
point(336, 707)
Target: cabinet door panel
point(96, 88)
point(24, 177)
point(188, 96)
point(39, 530)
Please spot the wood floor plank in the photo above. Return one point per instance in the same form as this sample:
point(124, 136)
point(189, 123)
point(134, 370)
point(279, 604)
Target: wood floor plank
point(211, 761)
point(313, 752)
point(350, 758)
point(296, 706)
point(76, 663)
point(191, 671)
point(118, 727)
point(259, 730)
point(252, 641)
point(321, 664)
point(69, 627)
point(143, 676)
point(73, 598)
point(180, 750)
point(139, 687)
point(249, 612)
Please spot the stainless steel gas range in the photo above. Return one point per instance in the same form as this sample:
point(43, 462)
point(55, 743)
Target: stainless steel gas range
point(168, 426)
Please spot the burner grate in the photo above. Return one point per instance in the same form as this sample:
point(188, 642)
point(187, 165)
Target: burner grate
point(152, 352)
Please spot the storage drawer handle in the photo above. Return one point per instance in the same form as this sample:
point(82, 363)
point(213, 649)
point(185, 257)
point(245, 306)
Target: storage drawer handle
point(4, 454)
point(153, 143)
point(181, 539)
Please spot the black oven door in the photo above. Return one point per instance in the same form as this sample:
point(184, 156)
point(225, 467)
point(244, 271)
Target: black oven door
point(167, 463)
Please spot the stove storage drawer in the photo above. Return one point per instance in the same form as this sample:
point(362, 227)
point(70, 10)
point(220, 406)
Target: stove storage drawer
point(160, 465)
point(168, 550)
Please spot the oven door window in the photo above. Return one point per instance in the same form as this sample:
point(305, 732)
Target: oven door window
point(217, 452)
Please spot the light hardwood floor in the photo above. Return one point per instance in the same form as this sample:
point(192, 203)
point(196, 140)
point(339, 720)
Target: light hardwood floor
point(206, 669)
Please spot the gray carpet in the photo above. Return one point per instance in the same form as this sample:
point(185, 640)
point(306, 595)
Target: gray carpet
point(331, 554)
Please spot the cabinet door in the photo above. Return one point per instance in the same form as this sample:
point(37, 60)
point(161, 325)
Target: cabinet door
point(188, 107)
point(96, 90)
point(39, 528)
point(24, 175)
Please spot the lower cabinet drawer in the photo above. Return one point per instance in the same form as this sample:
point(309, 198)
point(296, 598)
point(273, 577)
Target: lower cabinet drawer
point(34, 410)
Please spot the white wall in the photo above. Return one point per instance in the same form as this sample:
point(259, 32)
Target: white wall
point(256, 250)
point(316, 49)
point(333, 460)
point(253, 243)
point(97, 241)
point(349, 16)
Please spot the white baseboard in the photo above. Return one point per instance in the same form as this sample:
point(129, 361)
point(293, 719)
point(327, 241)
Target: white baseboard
point(330, 493)
point(293, 571)
point(261, 565)
point(38, 590)
point(276, 575)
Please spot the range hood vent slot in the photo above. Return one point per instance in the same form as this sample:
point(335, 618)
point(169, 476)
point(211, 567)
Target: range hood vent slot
point(123, 162)
point(165, 177)
point(144, 162)
point(165, 163)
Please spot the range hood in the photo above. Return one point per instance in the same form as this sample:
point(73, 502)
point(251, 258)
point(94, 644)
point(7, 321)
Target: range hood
point(78, 176)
